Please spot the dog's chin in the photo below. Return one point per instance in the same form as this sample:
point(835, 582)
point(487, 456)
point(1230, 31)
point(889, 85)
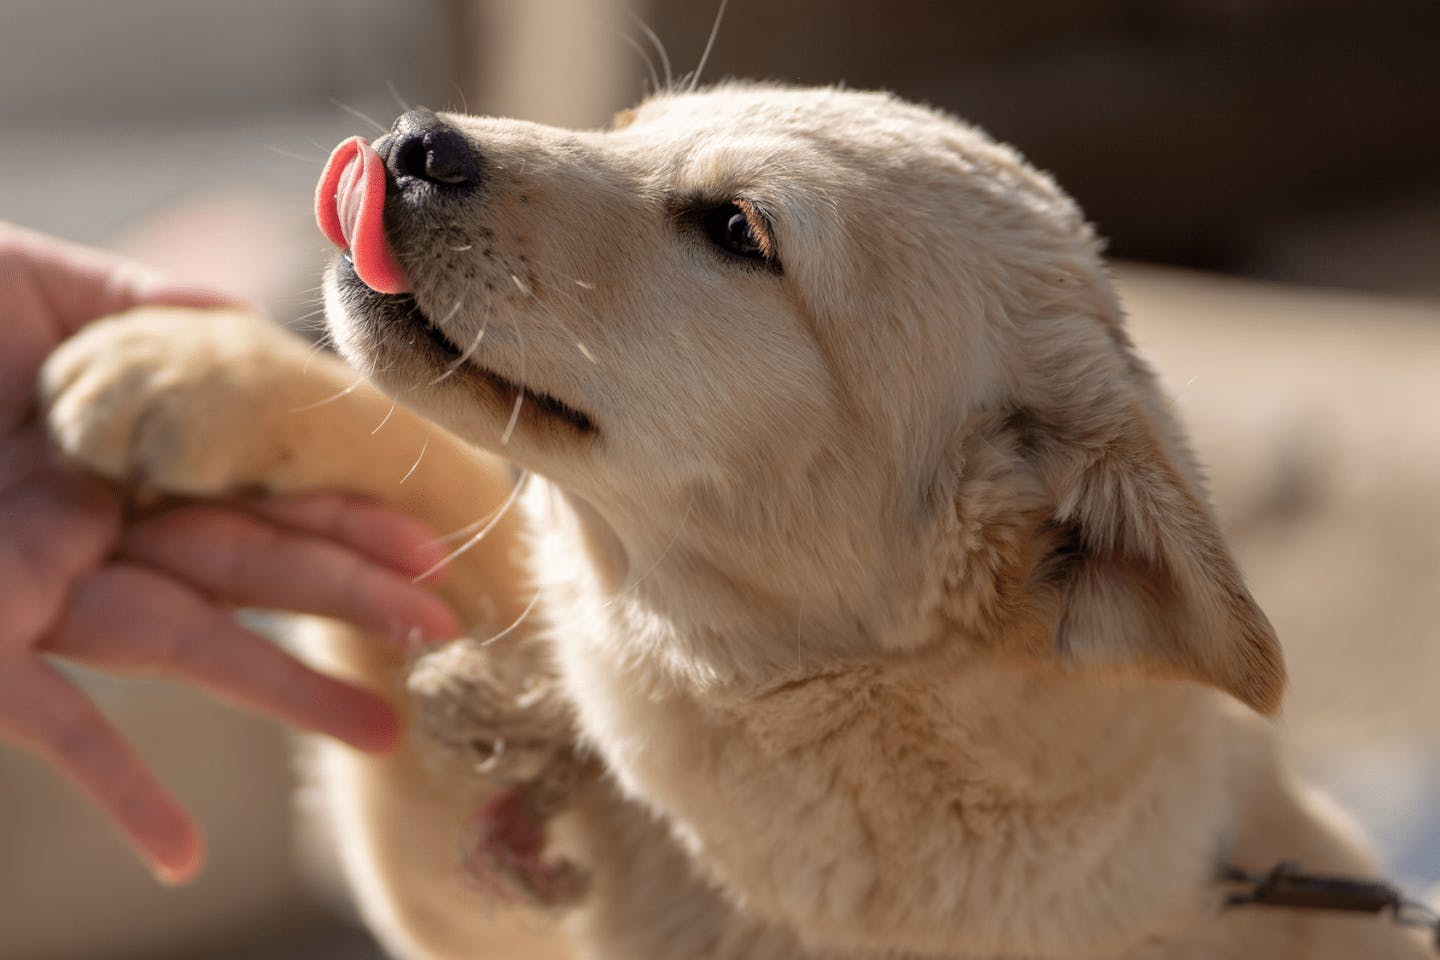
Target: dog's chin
point(406, 344)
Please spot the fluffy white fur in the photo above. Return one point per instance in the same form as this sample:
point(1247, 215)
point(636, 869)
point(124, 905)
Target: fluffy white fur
point(883, 605)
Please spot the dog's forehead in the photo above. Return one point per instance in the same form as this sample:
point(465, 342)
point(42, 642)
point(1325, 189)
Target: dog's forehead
point(828, 135)
point(734, 109)
point(780, 144)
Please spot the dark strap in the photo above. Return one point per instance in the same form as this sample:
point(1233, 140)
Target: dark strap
point(1287, 886)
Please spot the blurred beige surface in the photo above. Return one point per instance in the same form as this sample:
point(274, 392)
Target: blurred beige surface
point(70, 889)
point(1318, 413)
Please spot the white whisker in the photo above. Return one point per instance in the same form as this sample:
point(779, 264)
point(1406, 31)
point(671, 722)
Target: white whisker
point(550, 312)
point(289, 155)
point(644, 56)
point(464, 354)
point(520, 396)
point(659, 48)
point(514, 418)
point(518, 620)
point(469, 528)
point(300, 320)
point(421, 456)
point(557, 289)
point(332, 398)
point(464, 102)
point(709, 44)
point(395, 95)
point(489, 524)
point(316, 348)
point(361, 116)
point(385, 419)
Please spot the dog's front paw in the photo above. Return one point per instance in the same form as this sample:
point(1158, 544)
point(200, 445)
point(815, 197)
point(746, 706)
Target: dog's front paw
point(179, 401)
point(495, 715)
point(498, 720)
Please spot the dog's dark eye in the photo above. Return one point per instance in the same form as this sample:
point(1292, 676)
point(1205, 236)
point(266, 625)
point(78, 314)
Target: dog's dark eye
point(731, 230)
point(738, 230)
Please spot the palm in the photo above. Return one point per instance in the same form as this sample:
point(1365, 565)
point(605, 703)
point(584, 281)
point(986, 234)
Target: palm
point(151, 594)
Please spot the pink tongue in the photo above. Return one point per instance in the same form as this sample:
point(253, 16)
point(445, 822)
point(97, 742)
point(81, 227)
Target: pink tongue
point(350, 208)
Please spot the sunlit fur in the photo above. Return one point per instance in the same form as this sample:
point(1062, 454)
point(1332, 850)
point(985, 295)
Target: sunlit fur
point(885, 590)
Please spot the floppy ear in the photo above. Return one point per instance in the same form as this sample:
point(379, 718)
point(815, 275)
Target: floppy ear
point(1142, 575)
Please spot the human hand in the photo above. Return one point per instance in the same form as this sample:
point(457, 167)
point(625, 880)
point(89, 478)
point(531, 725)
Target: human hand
point(151, 593)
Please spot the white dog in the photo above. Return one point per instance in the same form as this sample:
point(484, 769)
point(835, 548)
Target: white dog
point(880, 609)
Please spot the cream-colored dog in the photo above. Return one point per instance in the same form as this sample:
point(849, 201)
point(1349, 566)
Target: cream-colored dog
point(880, 610)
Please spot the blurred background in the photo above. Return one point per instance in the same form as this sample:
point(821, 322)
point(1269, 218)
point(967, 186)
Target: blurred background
point(1267, 171)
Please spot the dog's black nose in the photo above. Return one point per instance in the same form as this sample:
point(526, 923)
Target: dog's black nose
point(423, 146)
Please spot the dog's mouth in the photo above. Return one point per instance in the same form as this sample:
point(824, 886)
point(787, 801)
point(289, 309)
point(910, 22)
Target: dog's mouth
point(399, 319)
point(350, 210)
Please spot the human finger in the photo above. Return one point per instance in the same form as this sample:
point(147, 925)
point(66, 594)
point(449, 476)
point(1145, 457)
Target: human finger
point(248, 562)
point(79, 283)
point(54, 525)
point(42, 712)
point(140, 622)
point(384, 535)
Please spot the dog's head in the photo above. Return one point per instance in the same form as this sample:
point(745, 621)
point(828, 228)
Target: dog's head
point(837, 370)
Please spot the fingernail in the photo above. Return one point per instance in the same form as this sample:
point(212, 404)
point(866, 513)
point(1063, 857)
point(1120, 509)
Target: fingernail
point(170, 876)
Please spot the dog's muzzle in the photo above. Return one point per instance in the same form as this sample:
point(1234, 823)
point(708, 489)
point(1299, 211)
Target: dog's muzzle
point(421, 150)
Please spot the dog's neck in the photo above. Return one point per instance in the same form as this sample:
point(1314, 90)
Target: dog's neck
point(770, 588)
point(717, 599)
